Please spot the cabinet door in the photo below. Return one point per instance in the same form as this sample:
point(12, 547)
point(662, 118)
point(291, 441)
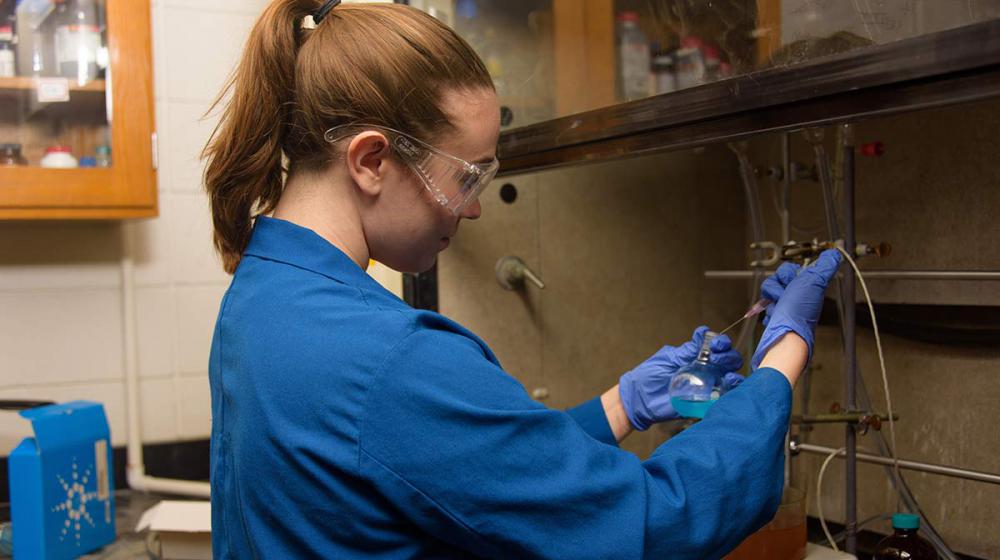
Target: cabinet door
point(76, 116)
point(553, 58)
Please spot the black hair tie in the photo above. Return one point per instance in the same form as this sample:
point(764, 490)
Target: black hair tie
point(324, 9)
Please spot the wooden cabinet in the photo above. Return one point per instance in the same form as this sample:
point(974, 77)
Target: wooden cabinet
point(113, 107)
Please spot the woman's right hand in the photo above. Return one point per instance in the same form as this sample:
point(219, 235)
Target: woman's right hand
point(798, 301)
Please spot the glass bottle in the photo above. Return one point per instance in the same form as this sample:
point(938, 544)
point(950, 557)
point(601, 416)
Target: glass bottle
point(698, 385)
point(905, 543)
point(10, 155)
point(103, 156)
point(77, 39)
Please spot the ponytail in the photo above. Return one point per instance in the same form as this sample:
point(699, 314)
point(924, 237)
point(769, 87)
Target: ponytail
point(244, 175)
point(382, 64)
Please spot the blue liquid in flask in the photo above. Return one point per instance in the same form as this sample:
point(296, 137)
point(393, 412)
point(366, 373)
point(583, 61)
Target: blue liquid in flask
point(696, 387)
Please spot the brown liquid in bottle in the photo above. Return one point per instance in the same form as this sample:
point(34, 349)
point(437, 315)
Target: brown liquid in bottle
point(905, 543)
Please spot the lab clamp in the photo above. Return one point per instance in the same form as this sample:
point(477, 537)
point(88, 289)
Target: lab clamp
point(804, 252)
point(862, 421)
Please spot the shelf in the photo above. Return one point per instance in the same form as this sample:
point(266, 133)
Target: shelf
point(27, 83)
point(956, 66)
point(66, 193)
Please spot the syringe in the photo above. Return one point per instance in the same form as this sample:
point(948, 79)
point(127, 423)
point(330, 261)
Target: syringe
point(754, 310)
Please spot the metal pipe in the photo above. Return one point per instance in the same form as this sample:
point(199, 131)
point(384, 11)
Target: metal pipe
point(850, 348)
point(944, 470)
point(980, 275)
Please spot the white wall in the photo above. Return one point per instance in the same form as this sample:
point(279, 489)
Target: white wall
point(60, 284)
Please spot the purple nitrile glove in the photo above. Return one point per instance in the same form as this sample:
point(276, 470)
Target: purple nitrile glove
point(645, 389)
point(798, 300)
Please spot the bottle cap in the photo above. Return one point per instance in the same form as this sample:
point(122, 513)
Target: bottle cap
point(58, 149)
point(628, 16)
point(905, 521)
point(103, 150)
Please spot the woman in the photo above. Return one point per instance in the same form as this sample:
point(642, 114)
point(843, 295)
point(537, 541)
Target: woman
point(349, 425)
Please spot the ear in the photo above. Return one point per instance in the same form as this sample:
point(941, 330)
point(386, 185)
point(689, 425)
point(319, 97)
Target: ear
point(367, 161)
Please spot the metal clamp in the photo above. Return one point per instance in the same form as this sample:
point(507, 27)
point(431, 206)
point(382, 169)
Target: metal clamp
point(806, 251)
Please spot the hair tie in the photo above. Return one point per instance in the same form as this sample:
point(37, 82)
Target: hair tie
point(319, 14)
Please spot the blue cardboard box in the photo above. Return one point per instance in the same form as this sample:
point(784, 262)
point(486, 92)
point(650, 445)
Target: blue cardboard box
point(61, 483)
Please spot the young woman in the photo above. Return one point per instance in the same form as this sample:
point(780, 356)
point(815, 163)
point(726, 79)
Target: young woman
point(349, 425)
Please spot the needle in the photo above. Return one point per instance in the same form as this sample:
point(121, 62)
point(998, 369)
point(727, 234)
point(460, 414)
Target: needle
point(754, 310)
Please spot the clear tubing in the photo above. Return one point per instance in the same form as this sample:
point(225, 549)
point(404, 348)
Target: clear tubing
point(903, 489)
point(756, 229)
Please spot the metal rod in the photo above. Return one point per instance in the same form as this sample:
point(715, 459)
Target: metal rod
point(850, 350)
point(879, 275)
point(850, 417)
point(944, 470)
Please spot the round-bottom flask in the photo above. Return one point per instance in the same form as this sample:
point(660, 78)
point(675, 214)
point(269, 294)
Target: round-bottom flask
point(698, 385)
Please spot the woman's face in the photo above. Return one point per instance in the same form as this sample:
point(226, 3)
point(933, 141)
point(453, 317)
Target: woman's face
point(405, 227)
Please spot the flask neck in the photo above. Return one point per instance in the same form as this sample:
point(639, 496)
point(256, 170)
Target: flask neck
point(706, 348)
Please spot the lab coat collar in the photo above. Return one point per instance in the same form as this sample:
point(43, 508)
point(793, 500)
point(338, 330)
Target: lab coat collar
point(282, 241)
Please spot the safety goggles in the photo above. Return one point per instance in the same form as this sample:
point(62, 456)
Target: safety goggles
point(452, 181)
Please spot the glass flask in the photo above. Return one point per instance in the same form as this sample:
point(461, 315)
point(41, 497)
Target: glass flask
point(699, 384)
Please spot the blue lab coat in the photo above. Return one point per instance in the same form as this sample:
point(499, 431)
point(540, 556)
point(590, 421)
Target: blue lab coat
point(346, 424)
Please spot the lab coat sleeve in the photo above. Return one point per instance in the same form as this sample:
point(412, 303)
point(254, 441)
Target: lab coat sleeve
point(461, 450)
point(592, 418)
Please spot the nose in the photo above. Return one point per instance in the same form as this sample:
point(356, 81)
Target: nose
point(473, 211)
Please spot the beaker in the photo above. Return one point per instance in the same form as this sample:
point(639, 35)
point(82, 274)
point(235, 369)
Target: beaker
point(784, 538)
point(699, 384)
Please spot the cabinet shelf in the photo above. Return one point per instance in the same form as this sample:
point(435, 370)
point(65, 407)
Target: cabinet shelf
point(955, 66)
point(21, 84)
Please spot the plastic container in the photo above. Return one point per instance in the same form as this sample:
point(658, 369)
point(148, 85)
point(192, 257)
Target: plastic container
point(784, 538)
point(77, 39)
point(35, 56)
point(10, 155)
point(905, 543)
point(88, 161)
point(634, 77)
point(59, 157)
point(8, 68)
point(698, 385)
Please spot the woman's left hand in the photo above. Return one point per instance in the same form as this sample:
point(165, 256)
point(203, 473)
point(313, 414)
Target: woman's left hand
point(645, 390)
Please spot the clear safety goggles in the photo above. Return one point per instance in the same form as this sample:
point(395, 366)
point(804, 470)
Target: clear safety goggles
point(452, 181)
